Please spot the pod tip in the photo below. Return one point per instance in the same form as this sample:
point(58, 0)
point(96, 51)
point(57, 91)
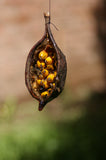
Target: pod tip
point(41, 105)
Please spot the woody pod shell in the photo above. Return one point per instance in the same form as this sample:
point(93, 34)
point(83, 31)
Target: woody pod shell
point(61, 68)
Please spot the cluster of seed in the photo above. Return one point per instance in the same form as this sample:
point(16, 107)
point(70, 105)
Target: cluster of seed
point(46, 74)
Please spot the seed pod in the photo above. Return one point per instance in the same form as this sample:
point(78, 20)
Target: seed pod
point(53, 83)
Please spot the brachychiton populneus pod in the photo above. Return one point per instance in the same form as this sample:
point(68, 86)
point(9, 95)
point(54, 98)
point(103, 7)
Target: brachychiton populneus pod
point(46, 68)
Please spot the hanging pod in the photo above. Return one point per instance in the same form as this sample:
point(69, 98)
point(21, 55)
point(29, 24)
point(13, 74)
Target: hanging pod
point(46, 68)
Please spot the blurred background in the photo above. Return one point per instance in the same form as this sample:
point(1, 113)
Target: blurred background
point(73, 126)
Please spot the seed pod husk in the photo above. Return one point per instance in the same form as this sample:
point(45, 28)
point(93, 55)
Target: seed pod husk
point(36, 63)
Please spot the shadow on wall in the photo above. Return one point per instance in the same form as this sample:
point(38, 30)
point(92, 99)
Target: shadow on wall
point(100, 15)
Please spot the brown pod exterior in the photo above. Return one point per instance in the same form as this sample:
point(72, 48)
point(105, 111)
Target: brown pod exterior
point(61, 68)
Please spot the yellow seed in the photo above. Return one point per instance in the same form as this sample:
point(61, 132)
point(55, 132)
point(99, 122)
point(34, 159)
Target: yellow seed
point(50, 90)
point(43, 55)
point(45, 84)
point(50, 67)
point(40, 65)
point(45, 94)
point(53, 85)
point(41, 76)
point(34, 85)
point(55, 73)
point(39, 81)
point(42, 82)
point(50, 78)
point(49, 60)
point(45, 72)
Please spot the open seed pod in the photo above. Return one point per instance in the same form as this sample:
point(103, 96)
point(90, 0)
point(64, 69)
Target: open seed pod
point(46, 68)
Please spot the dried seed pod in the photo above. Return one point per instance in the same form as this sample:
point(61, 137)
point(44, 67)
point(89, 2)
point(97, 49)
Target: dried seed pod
point(45, 56)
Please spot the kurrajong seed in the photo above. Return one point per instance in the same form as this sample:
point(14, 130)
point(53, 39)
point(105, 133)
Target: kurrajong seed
point(43, 55)
point(40, 65)
point(39, 82)
point(45, 84)
point(50, 77)
point(53, 85)
point(45, 68)
point(48, 60)
point(55, 73)
point(45, 72)
point(41, 76)
point(50, 67)
point(45, 94)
